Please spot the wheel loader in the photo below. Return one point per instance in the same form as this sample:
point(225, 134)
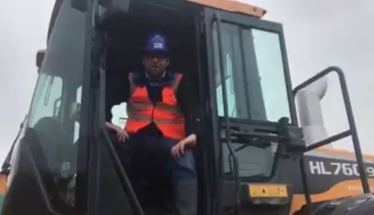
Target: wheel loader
point(257, 155)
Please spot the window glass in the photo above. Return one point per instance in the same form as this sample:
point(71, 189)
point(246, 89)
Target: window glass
point(267, 82)
point(54, 119)
point(253, 161)
point(233, 70)
point(256, 90)
point(52, 129)
point(255, 83)
point(47, 98)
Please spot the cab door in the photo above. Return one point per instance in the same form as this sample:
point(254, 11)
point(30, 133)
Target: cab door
point(109, 188)
point(249, 90)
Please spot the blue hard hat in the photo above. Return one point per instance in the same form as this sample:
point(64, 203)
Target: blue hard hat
point(156, 43)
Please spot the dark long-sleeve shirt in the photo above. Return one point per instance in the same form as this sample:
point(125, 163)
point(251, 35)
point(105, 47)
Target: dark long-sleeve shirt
point(118, 91)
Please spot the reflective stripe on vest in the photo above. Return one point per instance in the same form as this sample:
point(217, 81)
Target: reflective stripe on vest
point(165, 114)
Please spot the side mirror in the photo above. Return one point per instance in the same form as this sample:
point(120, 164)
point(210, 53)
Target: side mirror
point(39, 58)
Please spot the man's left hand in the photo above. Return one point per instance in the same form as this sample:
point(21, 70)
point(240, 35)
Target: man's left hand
point(178, 150)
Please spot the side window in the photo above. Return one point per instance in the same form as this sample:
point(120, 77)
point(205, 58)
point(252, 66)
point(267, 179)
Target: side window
point(271, 95)
point(256, 90)
point(233, 70)
point(254, 74)
point(48, 98)
point(53, 120)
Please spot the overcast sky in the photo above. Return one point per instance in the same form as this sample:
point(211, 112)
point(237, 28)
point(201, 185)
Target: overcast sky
point(318, 33)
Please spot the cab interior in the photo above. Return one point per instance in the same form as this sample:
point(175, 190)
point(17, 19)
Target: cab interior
point(126, 34)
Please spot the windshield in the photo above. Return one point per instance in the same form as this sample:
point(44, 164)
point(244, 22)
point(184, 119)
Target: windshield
point(256, 89)
point(52, 130)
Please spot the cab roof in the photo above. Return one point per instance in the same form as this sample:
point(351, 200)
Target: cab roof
point(226, 5)
point(232, 6)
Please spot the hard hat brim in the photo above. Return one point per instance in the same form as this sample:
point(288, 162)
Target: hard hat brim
point(148, 50)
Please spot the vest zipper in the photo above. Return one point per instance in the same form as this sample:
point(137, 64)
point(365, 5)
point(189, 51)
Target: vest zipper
point(153, 112)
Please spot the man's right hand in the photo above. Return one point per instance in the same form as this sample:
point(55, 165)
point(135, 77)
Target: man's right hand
point(122, 135)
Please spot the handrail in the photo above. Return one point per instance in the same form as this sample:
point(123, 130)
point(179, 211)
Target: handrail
point(311, 147)
point(125, 182)
point(122, 174)
point(352, 131)
point(216, 18)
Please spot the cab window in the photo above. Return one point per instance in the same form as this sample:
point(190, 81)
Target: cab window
point(254, 74)
point(256, 91)
point(269, 74)
point(53, 126)
point(46, 98)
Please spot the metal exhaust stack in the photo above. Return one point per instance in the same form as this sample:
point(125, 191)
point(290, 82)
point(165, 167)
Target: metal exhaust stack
point(310, 112)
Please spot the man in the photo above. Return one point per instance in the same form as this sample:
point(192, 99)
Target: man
point(163, 122)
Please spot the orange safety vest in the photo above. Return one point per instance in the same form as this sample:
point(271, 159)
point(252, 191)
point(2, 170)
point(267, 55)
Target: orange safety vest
point(165, 114)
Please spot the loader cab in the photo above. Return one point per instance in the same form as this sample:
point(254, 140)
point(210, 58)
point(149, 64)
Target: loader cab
point(236, 62)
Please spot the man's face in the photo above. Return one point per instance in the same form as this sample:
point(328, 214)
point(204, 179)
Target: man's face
point(155, 63)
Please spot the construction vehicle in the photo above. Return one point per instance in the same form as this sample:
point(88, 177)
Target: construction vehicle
point(253, 157)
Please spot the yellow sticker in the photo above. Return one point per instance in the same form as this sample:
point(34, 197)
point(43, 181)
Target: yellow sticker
point(267, 191)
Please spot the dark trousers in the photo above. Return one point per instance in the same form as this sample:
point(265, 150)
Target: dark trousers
point(149, 159)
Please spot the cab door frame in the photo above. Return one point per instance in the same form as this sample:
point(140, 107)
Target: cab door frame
point(210, 17)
